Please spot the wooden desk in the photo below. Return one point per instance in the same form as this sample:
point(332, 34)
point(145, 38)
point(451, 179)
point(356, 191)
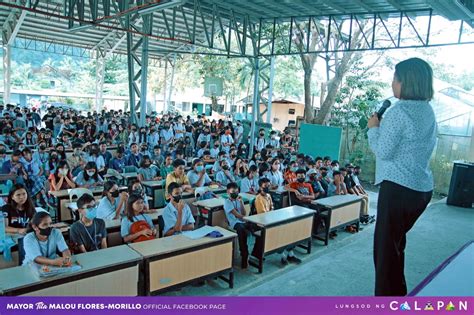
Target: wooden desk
point(176, 260)
point(114, 238)
point(107, 272)
point(62, 197)
point(337, 211)
point(157, 188)
point(282, 228)
point(212, 211)
point(127, 177)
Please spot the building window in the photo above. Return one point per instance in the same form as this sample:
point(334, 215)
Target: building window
point(233, 108)
point(186, 107)
point(291, 111)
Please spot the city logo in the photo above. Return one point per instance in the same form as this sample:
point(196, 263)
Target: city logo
point(429, 307)
point(405, 307)
point(450, 306)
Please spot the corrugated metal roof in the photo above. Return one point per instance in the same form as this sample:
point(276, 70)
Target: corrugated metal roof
point(55, 30)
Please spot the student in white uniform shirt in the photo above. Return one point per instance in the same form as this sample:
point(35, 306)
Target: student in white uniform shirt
point(226, 140)
point(275, 175)
point(112, 204)
point(177, 215)
point(249, 183)
point(274, 142)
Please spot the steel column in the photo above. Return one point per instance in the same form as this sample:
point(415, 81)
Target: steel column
point(270, 90)
point(6, 73)
point(256, 103)
point(168, 102)
point(99, 81)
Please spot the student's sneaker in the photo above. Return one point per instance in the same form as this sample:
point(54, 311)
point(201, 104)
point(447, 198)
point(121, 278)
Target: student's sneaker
point(372, 219)
point(284, 261)
point(294, 260)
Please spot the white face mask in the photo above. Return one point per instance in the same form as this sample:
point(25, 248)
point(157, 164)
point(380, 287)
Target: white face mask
point(64, 172)
point(90, 173)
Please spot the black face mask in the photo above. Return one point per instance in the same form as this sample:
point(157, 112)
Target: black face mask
point(300, 180)
point(138, 191)
point(234, 195)
point(323, 174)
point(266, 190)
point(177, 198)
point(225, 167)
point(42, 147)
point(115, 194)
point(46, 231)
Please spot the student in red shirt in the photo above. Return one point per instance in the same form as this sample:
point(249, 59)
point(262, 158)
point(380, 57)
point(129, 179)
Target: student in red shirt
point(303, 192)
point(290, 174)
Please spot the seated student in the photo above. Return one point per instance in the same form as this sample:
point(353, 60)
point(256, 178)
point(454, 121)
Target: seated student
point(129, 231)
point(89, 233)
point(290, 173)
point(177, 215)
point(324, 179)
point(317, 188)
point(135, 187)
point(134, 157)
point(198, 176)
point(337, 186)
point(224, 176)
point(118, 162)
point(18, 211)
point(42, 242)
point(178, 176)
point(346, 173)
point(202, 148)
point(235, 212)
point(303, 191)
point(274, 175)
point(157, 158)
point(112, 204)
point(61, 178)
point(263, 201)
point(207, 158)
point(249, 183)
point(217, 164)
point(148, 171)
point(215, 150)
point(167, 167)
point(89, 177)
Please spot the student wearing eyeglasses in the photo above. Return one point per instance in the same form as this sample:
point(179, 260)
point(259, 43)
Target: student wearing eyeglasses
point(89, 233)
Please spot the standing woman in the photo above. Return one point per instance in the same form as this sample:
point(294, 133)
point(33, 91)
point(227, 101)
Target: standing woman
point(403, 143)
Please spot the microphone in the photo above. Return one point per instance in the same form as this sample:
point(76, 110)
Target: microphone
point(386, 104)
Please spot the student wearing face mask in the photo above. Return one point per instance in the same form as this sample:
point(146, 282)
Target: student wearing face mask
point(238, 132)
point(62, 178)
point(242, 151)
point(226, 140)
point(225, 176)
point(303, 192)
point(112, 204)
point(136, 225)
point(290, 173)
point(148, 171)
point(166, 135)
point(249, 183)
point(275, 175)
point(77, 160)
point(198, 176)
point(89, 177)
point(89, 233)
point(263, 201)
point(135, 187)
point(204, 136)
point(96, 158)
point(215, 150)
point(256, 159)
point(43, 241)
point(177, 215)
point(133, 137)
point(260, 141)
point(179, 129)
point(274, 142)
point(202, 148)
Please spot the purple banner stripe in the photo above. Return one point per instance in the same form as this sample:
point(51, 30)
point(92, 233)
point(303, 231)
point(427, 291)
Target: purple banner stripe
point(235, 305)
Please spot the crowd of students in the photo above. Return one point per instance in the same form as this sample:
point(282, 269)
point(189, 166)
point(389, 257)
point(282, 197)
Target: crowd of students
point(34, 151)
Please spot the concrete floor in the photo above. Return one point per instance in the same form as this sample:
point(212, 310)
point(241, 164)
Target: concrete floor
point(345, 267)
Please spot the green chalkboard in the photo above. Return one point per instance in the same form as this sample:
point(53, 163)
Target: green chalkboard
point(317, 140)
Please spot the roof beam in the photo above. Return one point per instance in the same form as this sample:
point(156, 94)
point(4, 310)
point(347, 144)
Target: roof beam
point(12, 26)
point(395, 4)
point(334, 6)
point(366, 7)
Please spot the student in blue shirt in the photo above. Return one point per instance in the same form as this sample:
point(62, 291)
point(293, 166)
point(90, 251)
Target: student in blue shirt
point(249, 183)
point(89, 177)
point(177, 214)
point(235, 212)
point(225, 176)
point(112, 204)
point(43, 241)
point(135, 213)
point(197, 176)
